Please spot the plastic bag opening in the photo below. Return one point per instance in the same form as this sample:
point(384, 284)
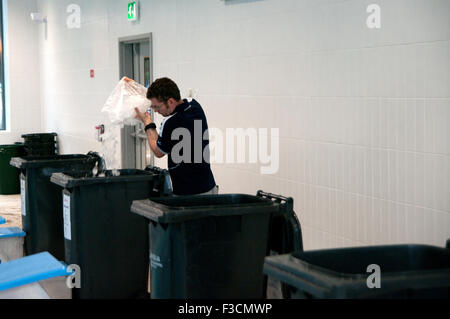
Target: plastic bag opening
point(120, 105)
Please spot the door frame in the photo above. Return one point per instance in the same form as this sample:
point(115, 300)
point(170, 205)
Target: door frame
point(127, 141)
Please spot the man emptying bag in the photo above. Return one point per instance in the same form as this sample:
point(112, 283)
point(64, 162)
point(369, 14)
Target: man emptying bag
point(182, 137)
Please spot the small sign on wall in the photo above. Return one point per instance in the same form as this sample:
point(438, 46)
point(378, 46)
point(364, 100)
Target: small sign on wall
point(92, 74)
point(133, 11)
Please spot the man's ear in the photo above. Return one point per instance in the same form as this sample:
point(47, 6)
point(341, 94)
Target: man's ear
point(171, 101)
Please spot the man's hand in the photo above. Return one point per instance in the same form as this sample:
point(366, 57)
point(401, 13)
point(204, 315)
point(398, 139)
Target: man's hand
point(152, 135)
point(127, 79)
point(143, 116)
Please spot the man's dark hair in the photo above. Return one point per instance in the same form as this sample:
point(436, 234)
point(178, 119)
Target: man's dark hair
point(163, 89)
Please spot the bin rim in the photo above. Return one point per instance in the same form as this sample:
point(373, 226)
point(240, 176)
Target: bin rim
point(326, 283)
point(11, 145)
point(67, 181)
point(7, 148)
point(38, 135)
point(36, 144)
point(40, 161)
point(164, 214)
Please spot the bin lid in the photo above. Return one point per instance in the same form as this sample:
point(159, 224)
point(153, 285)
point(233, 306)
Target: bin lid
point(11, 146)
point(343, 271)
point(182, 208)
point(125, 175)
point(35, 144)
point(10, 149)
point(38, 135)
point(41, 161)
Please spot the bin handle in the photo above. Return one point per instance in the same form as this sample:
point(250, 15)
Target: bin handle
point(292, 239)
point(161, 181)
point(292, 222)
point(100, 161)
point(273, 197)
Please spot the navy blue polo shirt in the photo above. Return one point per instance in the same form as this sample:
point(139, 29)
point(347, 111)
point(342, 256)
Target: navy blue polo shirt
point(181, 138)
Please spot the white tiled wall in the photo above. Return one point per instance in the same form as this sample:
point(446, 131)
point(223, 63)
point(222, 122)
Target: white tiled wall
point(22, 75)
point(363, 114)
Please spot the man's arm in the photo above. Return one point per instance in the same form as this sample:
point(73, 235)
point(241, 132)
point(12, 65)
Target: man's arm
point(152, 135)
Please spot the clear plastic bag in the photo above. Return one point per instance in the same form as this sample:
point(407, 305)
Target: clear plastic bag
point(126, 96)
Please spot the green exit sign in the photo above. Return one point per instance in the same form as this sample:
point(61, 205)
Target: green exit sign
point(132, 11)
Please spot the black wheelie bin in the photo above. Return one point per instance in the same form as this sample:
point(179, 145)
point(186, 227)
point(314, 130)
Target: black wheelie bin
point(9, 176)
point(374, 272)
point(209, 246)
point(102, 236)
point(40, 144)
point(41, 200)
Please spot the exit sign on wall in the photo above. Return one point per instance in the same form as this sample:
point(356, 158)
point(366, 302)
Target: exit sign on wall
point(132, 11)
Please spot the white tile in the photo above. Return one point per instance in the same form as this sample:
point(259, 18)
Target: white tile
point(322, 169)
point(383, 123)
point(322, 208)
point(370, 228)
point(437, 78)
point(347, 166)
point(406, 115)
point(410, 174)
point(419, 179)
point(440, 182)
point(429, 184)
point(376, 230)
point(331, 159)
point(366, 129)
point(384, 174)
point(332, 212)
point(391, 125)
point(368, 172)
point(441, 114)
point(309, 207)
point(384, 220)
point(428, 227)
point(340, 167)
point(419, 126)
point(410, 224)
point(393, 175)
point(307, 238)
point(393, 221)
point(301, 158)
point(300, 201)
point(359, 170)
point(361, 227)
point(447, 184)
point(401, 225)
point(419, 225)
point(353, 216)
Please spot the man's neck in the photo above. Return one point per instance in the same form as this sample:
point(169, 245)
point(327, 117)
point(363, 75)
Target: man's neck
point(176, 105)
